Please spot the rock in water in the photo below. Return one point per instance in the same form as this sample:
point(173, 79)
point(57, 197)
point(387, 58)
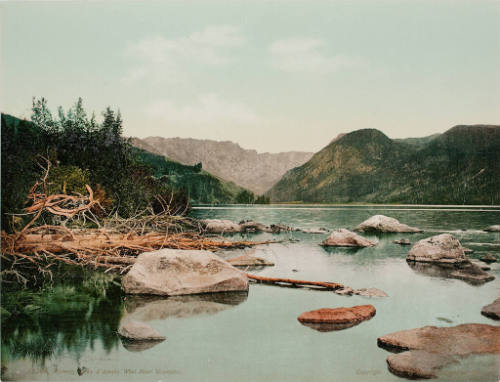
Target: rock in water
point(249, 261)
point(431, 347)
point(416, 364)
point(139, 331)
point(468, 272)
point(442, 248)
point(492, 310)
point(345, 238)
point(402, 242)
point(488, 258)
point(326, 319)
point(370, 292)
point(220, 226)
point(171, 272)
point(381, 223)
point(492, 228)
point(315, 231)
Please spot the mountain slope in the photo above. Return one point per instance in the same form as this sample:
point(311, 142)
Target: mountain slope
point(461, 166)
point(247, 168)
point(201, 186)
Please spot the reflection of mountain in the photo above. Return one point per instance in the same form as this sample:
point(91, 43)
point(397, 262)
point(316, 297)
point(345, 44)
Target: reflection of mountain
point(142, 308)
point(469, 273)
point(64, 319)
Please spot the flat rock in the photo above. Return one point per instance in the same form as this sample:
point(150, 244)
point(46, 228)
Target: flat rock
point(370, 292)
point(492, 310)
point(277, 228)
point(138, 331)
point(315, 231)
point(171, 272)
point(492, 228)
point(220, 226)
point(402, 242)
point(249, 261)
point(345, 238)
point(442, 248)
point(417, 363)
point(382, 223)
point(328, 319)
point(488, 258)
point(430, 347)
point(460, 340)
point(468, 250)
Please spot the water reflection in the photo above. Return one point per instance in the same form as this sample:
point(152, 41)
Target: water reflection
point(469, 273)
point(148, 308)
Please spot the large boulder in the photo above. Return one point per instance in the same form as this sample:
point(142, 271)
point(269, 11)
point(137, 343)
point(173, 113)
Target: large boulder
point(327, 319)
point(171, 272)
point(429, 348)
point(220, 226)
point(345, 238)
point(492, 228)
point(382, 223)
point(492, 310)
point(138, 331)
point(442, 248)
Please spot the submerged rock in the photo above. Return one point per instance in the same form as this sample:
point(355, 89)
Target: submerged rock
point(370, 292)
point(492, 228)
point(139, 331)
point(345, 238)
point(327, 319)
point(171, 272)
point(442, 248)
point(277, 228)
point(220, 226)
point(251, 226)
point(402, 242)
point(429, 348)
point(381, 223)
point(488, 258)
point(249, 261)
point(315, 231)
point(492, 310)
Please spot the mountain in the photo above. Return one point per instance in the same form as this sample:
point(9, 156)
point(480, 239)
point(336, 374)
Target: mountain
point(461, 166)
point(257, 172)
point(420, 142)
point(201, 186)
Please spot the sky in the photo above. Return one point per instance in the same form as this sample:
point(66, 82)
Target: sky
point(270, 75)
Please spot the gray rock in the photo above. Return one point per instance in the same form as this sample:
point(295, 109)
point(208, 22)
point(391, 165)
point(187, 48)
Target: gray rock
point(220, 226)
point(251, 226)
point(346, 291)
point(315, 231)
point(345, 238)
point(468, 250)
point(138, 331)
point(171, 272)
point(249, 261)
point(402, 242)
point(381, 223)
point(442, 248)
point(370, 292)
point(492, 228)
point(488, 258)
point(492, 310)
point(277, 228)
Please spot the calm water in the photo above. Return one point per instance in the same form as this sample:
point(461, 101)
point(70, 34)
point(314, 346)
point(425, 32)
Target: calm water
point(257, 337)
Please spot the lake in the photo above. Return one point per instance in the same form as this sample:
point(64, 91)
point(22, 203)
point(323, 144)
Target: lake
point(256, 336)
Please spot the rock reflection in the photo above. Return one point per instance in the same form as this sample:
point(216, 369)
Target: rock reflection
point(147, 308)
point(329, 327)
point(467, 272)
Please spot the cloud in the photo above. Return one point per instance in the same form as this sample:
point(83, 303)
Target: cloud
point(161, 58)
point(209, 110)
point(306, 55)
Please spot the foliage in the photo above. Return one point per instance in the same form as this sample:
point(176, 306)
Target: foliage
point(461, 166)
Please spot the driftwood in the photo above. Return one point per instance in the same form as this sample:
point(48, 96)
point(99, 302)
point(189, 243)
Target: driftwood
point(295, 283)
